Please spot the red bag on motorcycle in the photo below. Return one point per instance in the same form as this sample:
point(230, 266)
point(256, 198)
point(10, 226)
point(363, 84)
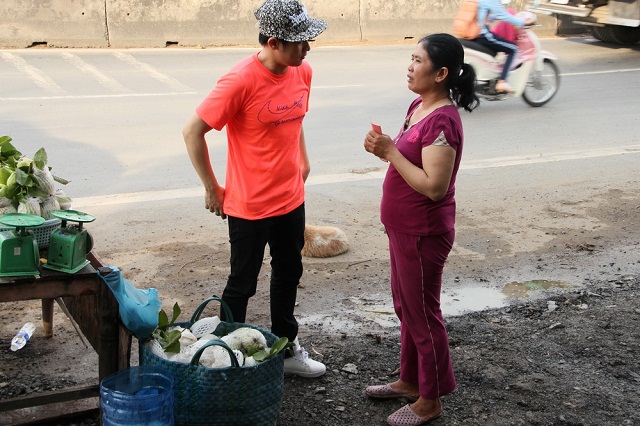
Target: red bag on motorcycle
point(465, 23)
point(506, 30)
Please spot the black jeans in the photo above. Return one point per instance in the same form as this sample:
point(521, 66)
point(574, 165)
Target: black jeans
point(285, 237)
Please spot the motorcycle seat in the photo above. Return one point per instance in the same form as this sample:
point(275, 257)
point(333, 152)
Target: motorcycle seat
point(470, 44)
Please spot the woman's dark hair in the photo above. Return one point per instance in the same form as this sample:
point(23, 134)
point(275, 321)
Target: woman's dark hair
point(445, 50)
point(263, 39)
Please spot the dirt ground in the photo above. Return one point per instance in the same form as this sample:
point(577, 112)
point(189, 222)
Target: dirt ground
point(561, 349)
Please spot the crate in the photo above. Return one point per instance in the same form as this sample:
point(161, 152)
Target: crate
point(41, 232)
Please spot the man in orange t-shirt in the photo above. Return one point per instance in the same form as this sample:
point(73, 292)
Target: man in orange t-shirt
point(262, 101)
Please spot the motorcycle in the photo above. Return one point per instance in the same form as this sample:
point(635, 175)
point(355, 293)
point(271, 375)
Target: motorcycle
point(534, 73)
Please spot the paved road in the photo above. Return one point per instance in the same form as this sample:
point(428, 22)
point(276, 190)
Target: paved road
point(111, 119)
point(111, 122)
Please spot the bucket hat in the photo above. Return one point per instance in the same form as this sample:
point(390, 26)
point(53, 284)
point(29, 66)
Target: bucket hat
point(288, 20)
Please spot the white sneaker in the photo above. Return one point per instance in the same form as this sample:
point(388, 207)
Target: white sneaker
point(301, 365)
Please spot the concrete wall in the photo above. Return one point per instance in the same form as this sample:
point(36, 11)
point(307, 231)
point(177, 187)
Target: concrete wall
point(158, 23)
point(57, 22)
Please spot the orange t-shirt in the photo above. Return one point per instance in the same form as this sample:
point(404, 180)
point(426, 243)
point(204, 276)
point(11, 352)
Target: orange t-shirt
point(263, 113)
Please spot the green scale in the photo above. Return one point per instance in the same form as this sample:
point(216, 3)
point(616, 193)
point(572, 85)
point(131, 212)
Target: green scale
point(69, 244)
point(19, 253)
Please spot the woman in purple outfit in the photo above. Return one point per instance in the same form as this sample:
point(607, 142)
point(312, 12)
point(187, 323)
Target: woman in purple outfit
point(418, 212)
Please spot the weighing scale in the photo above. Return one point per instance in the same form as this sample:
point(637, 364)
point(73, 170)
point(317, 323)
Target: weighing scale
point(19, 253)
point(69, 245)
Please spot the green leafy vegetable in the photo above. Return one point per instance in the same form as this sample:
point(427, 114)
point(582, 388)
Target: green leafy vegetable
point(23, 178)
point(280, 345)
point(169, 339)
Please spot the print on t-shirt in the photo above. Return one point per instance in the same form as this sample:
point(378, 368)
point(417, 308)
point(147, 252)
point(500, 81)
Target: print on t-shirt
point(282, 113)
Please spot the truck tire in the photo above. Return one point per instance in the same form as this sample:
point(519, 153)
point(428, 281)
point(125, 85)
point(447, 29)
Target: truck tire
point(602, 34)
point(616, 34)
point(625, 35)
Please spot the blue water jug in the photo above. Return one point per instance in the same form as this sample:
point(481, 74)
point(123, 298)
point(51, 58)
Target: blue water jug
point(137, 396)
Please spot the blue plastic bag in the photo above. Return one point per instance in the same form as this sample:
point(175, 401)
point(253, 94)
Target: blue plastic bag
point(138, 308)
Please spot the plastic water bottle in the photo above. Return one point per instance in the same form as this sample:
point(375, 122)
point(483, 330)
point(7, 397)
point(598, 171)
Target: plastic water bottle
point(23, 336)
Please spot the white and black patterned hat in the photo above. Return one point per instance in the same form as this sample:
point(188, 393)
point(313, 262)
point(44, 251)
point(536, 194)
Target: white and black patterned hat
point(288, 20)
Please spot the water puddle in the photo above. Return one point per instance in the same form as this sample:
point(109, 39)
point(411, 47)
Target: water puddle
point(362, 312)
point(516, 290)
point(470, 299)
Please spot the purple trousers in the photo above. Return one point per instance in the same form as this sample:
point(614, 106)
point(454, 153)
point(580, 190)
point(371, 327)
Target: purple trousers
point(416, 279)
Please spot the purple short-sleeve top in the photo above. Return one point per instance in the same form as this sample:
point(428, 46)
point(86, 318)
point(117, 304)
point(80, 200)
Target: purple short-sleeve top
point(403, 208)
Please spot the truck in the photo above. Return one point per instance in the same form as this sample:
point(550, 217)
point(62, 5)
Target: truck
point(611, 21)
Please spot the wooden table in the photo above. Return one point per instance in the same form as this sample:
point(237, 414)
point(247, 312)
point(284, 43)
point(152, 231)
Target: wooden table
point(92, 306)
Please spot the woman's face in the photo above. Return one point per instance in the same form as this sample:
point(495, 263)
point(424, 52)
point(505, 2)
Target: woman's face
point(421, 77)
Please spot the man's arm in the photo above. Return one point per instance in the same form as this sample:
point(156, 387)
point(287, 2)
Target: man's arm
point(194, 132)
point(305, 166)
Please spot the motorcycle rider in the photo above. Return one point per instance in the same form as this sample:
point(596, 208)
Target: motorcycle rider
point(490, 11)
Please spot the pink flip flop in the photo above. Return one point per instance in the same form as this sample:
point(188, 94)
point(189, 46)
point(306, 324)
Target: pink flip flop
point(407, 417)
point(386, 392)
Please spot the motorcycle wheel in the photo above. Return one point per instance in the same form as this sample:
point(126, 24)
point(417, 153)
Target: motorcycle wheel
point(542, 84)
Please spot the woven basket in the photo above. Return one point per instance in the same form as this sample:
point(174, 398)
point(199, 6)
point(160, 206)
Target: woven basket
point(223, 396)
point(42, 233)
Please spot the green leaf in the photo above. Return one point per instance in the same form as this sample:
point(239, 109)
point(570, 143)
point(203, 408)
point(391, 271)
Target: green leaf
point(13, 191)
point(176, 312)
point(25, 164)
point(60, 180)
point(32, 183)
point(35, 191)
point(252, 352)
point(280, 345)
point(22, 177)
point(40, 158)
point(5, 172)
point(66, 200)
point(261, 356)
point(11, 161)
point(157, 334)
point(163, 320)
point(8, 150)
point(172, 341)
point(11, 180)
